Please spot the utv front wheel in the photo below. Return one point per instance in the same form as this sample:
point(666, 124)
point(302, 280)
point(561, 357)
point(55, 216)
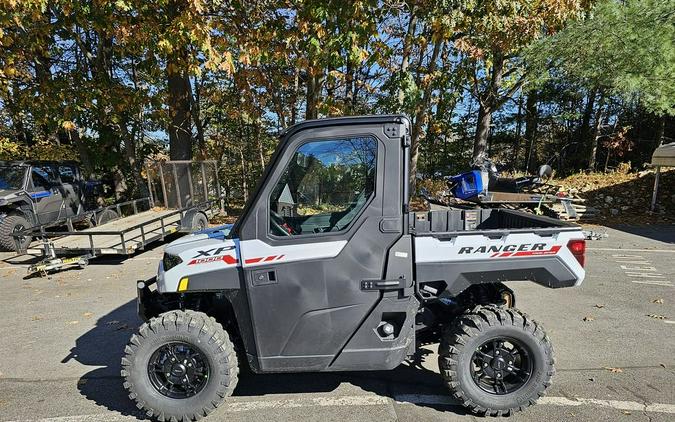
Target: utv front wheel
point(496, 361)
point(8, 226)
point(180, 366)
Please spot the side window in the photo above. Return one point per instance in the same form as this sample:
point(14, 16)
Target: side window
point(67, 174)
point(324, 186)
point(42, 178)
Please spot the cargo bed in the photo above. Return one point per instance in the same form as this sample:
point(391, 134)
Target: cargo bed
point(455, 221)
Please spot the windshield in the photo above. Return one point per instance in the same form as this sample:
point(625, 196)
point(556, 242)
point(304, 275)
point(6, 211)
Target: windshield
point(12, 177)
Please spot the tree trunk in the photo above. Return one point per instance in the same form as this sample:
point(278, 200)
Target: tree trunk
point(519, 127)
point(482, 133)
point(244, 185)
point(180, 126)
point(585, 127)
point(405, 55)
point(584, 132)
point(599, 117)
point(660, 132)
point(294, 95)
point(314, 83)
point(197, 116)
point(180, 94)
point(531, 123)
point(488, 103)
point(422, 114)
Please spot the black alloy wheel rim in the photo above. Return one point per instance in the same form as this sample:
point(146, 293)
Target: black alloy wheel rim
point(178, 370)
point(501, 366)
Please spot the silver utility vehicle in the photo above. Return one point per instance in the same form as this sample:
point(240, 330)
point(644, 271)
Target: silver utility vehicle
point(328, 270)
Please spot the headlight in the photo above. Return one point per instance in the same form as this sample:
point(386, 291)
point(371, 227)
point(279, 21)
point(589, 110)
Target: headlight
point(170, 261)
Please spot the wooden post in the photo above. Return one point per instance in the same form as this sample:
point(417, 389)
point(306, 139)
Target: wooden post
point(656, 187)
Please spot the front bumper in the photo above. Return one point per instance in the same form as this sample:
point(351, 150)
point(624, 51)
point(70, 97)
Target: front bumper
point(148, 301)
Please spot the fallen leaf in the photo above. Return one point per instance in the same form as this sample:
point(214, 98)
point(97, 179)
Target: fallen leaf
point(87, 314)
point(599, 306)
point(72, 322)
point(626, 412)
point(614, 370)
point(658, 301)
point(655, 316)
point(36, 318)
point(588, 318)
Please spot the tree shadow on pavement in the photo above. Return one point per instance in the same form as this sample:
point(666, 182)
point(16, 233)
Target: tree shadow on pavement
point(102, 347)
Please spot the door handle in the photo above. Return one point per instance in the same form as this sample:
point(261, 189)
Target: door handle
point(395, 284)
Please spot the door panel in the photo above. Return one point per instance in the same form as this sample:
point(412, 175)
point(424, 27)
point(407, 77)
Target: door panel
point(305, 317)
point(48, 199)
point(70, 189)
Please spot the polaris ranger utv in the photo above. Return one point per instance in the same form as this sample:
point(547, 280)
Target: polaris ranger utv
point(41, 192)
point(327, 270)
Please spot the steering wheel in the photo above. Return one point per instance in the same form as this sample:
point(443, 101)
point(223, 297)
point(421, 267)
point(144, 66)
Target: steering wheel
point(280, 224)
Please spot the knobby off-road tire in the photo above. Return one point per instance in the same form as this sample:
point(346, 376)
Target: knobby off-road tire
point(471, 338)
point(196, 330)
point(9, 225)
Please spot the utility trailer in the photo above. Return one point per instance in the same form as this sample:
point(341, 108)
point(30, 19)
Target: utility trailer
point(127, 227)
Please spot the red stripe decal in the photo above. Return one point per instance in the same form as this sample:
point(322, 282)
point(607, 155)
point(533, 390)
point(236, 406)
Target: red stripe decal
point(494, 254)
point(506, 254)
point(280, 256)
point(229, 259)
point(554, 250)
point(253, 260)
point(270, 258)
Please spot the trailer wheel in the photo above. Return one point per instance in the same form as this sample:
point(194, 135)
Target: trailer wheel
point(199, 222)
point(496, 361)
point(12, 224)
point(180, 366)
point(106, 216)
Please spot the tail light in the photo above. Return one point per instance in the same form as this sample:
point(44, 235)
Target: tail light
point(578, 249)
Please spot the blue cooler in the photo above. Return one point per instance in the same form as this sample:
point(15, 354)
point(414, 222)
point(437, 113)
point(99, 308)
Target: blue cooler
point(468, 185)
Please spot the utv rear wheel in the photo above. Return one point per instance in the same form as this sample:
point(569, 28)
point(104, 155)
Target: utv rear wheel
point(496, 361)
point(180, 366)
point(10, 225)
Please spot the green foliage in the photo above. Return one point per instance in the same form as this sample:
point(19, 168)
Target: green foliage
point(627, 47)
point(90, 80)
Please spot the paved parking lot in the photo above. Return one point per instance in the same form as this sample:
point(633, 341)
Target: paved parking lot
point(61, 340)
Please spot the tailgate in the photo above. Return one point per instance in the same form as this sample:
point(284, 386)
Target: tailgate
point(461, 259)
